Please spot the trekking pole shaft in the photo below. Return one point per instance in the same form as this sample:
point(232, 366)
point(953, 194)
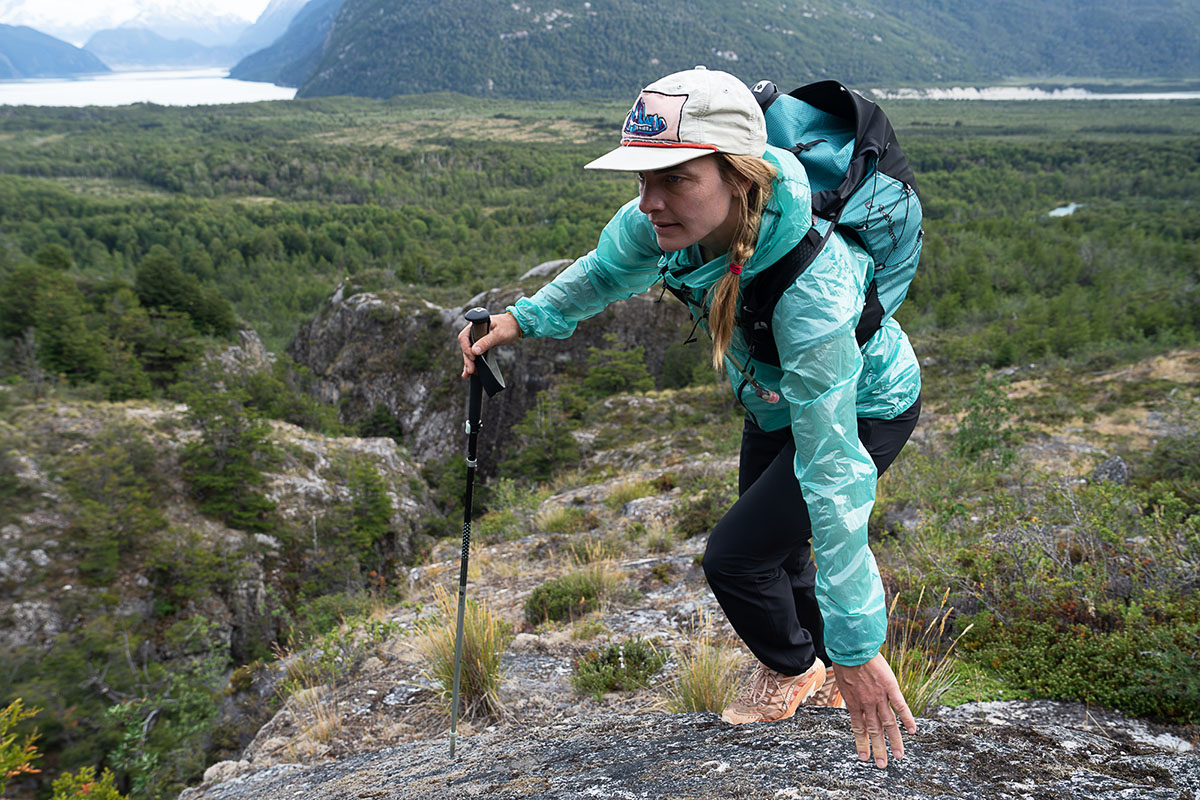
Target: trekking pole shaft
point(474, 412)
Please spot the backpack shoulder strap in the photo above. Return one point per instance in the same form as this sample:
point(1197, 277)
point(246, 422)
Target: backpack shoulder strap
point(762, 294)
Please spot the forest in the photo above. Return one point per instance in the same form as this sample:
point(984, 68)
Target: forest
point(134, 241)
point(200, 220)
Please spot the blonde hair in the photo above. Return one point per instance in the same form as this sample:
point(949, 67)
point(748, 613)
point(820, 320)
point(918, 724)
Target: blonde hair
point(751, 178)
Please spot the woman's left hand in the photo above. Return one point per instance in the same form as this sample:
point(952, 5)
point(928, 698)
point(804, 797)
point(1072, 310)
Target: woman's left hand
point(873, 699)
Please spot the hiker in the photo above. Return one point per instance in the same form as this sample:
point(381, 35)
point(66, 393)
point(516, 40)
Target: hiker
point(716, 207)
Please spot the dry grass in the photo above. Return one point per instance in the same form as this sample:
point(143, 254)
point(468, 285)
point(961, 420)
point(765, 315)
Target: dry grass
point(312, 702)
point(484, 638)
point(706, 675)
point(919, 655)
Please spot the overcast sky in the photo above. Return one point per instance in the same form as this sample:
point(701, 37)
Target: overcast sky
point(85, 9)
point(76, 20)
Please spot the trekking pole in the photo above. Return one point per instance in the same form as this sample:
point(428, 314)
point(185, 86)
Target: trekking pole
point(486, 377)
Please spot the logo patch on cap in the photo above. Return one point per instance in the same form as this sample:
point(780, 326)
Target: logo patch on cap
point(654, 117)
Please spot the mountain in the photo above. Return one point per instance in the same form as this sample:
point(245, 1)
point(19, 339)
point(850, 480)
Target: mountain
point(292, 57)
point(540, 49)
point(270, 25)
point(26, 53)
point(172, 19)
point(139, 47)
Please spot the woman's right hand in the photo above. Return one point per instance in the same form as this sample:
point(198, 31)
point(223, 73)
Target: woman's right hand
point(505, 330)
point(873, 698)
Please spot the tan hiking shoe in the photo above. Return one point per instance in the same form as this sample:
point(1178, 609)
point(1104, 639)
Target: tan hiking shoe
point(772, 696)
point(828, 696)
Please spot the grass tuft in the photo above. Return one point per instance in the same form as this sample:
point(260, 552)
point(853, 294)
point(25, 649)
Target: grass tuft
point(484, 638)
point(706, 675)
point(919, 655)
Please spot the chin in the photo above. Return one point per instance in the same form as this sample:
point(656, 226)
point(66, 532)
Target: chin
point(670, 244)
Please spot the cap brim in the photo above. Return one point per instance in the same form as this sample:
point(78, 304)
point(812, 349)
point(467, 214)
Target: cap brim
point(646, 158)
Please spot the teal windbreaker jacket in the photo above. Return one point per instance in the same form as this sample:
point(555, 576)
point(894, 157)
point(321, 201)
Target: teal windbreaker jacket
point(825, 379)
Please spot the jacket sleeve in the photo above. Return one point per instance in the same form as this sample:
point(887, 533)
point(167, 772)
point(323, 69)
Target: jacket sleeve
point(624, 263)
point(821, 362)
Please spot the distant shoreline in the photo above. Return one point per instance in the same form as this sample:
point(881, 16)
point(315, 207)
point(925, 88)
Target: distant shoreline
point(1026, 93)
point(167, 86)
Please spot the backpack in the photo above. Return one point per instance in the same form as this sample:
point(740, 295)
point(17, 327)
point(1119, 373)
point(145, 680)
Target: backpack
point(862, 185)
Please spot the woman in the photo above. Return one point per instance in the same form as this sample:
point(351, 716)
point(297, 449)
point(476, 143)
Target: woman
point(716, 207)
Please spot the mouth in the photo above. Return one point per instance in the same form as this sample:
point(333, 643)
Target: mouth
point(660, 227)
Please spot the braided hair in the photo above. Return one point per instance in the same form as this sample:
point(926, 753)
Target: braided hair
point(750, 178)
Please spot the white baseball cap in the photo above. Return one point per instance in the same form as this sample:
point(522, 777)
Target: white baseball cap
point(684, 116)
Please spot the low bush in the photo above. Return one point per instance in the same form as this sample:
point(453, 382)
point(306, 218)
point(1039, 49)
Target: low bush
point(85, 784)
point(1081, 593)
point(1140, 669)
point(562, 599)
point(16, 754)
point(706, 496)
point(622, 666)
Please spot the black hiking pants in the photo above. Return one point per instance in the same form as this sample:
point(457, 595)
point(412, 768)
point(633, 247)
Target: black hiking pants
point(757, 560)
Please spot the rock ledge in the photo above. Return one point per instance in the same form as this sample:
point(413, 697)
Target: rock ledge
point(698, 756)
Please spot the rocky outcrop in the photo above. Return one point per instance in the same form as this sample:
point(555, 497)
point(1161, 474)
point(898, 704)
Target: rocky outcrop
point(698, 756)
point(39, 574)
point(396, 350)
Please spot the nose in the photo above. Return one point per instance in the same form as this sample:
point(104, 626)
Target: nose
point(649, 198)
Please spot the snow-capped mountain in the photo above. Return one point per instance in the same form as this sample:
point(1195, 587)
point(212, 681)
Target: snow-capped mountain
point(209, 22)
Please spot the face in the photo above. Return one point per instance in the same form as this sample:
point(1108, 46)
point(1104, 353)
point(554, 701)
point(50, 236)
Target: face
point(690, 204)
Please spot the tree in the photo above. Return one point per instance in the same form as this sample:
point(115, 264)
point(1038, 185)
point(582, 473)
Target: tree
point(224, 466)
point(614, 369)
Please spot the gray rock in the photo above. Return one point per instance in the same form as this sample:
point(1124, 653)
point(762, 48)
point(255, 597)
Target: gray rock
point(395, 350)
point(1111, 470)
point(248, 356)
point(548, 269)
point(698, 756)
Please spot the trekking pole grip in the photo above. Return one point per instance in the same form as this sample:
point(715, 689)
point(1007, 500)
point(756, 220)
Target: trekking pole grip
point(481, 323)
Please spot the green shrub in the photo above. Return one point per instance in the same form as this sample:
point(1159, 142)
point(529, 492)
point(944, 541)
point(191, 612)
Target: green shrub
point(685, 365)
point(615, 369)
point(224, 466)
point(83, 783)
point(983, 430)
point(542, 440)
point(564, 599)
point(318, 616)
point(284, 392)
point(1143, 670)
point(380, 422)
point(117, 494)
point(16, 755)
point(706, 498)
point(623, 666)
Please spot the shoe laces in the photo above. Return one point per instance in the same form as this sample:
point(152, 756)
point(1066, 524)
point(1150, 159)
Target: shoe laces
point(760, 686)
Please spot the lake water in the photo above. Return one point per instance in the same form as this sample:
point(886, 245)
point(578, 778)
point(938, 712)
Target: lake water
point(1023, 93)
point(187, 87)
point(192, 87)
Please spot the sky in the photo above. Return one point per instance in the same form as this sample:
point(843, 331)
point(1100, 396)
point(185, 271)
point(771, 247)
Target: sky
point(80, 9)
point(75, 20)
